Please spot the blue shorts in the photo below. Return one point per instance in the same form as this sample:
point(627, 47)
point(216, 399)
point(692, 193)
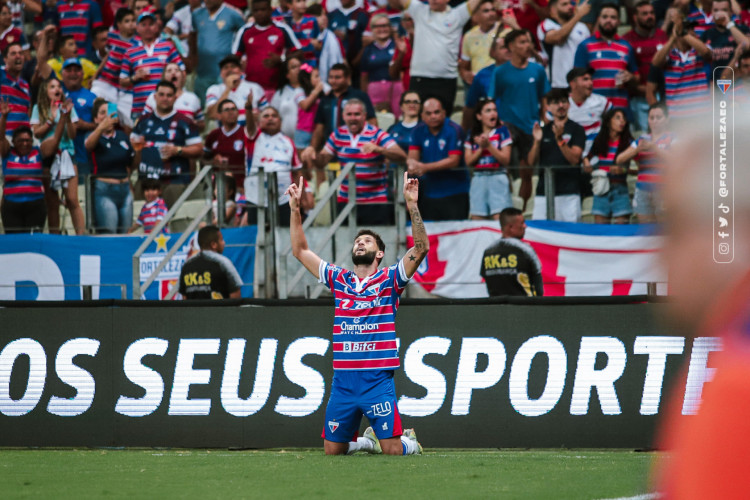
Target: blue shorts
point(489, 193)
point(371, 393)
point(647, 202)
point(616, 203)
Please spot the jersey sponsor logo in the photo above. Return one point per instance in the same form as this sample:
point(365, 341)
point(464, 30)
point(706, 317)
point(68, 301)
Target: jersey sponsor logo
point(333, 426)
point(357, 328)
point(356, 305)
point(358, 346)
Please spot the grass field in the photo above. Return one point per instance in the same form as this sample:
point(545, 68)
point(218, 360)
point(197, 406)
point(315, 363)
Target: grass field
point(440, 473)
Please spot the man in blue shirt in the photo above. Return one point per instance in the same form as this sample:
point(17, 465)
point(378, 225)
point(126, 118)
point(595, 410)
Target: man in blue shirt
point(435, 156)
point(214, 26)
point(520, 85)
point(83, 103)
point(480, 86)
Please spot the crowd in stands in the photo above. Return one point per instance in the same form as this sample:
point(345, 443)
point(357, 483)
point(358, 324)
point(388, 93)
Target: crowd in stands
point(138, 93)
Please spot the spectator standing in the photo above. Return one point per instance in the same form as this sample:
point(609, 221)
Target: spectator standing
point(143, 64)
point(19, 7)
point(214, 27)
point(480, 85)
point(14, 89)
point(368, 147)
point(651, 152)
point(187, 103)
point(477, 42)
point(349, 23)
point(8, 32)
point(697, 16)
point(107, 83)
point(112, 160)
point(437, 36)
point(686, 82)
point(78, 18)
point(65, 49)
point(488, 151)
point(646, 39)
point(586, 108)
point(307, 31)
point(520, 85)
point(435, 156)
point(559, 35)
point(401, 63)
point(331, 49)
point(55, 121)
point(384, 91)
point(613, 138)
point(155, 209)
point(312, 85)
point(288, 94)
point(510, 266)
point(208, 274)
point(263, 43)
point(611, 57)
point(559, 145)
point(98, 46)
point(83, 103)
point(225, 145)
point(23, 208)
point(180, 25)
point(723, 36)
point(233, 87)
point(164, 142)
point(527, 13)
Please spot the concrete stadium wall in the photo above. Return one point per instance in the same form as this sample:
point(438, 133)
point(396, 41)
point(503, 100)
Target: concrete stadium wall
point(254, 374)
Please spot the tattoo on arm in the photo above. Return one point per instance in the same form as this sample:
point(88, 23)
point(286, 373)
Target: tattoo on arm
point(418, 231)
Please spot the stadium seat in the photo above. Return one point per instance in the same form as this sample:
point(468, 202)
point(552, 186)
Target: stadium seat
point(185, 215)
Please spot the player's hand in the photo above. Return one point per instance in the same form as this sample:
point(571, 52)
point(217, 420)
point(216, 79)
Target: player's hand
point(414, 167)
point(67, 106)
point(109, 121)
point(400, 43)
point(587, 168)
point(411, 189)
point(233, 81)
point(644, 145)
point(168, 150)
point(371, 147)
point(4, 107)
point(583, 8)
point(295, 194)
point(249, 101)
point(721, 19)
point(482, 140)
point(537, 132)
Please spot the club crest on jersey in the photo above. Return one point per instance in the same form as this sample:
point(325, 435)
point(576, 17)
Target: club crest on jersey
point(441, 144)
point(238, 145)
point(724, 85)
point(333, 426)
point(273, 38)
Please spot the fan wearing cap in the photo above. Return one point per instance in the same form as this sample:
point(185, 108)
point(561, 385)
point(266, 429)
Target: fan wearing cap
point(67, 50)
point(233, 86)
point(83, 103)
point(144, 64)
point(586, 108)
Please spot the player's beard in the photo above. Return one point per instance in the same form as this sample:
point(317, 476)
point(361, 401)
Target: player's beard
point(366, 258)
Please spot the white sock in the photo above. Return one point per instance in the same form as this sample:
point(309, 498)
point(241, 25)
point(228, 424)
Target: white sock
point(361, 444)
point(410, 447)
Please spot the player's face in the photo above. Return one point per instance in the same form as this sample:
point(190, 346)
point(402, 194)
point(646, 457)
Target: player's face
point(657, 121)
point(516, 228)
point(645, 17)
point(270, 121)
point(354, 117)
point(165, 98)
point(365, 250)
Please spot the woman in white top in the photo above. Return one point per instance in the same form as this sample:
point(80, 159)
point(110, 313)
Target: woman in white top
point(286, 97)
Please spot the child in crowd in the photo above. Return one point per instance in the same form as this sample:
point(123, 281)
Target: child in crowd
point(230, 205)
point(309, 79)
point(154, 210)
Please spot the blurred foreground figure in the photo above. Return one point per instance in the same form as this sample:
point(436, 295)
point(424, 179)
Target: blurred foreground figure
point(708, 453)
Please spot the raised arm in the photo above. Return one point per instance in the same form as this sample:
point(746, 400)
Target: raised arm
point(418, 252)
point(4, 110)
point(300, 250)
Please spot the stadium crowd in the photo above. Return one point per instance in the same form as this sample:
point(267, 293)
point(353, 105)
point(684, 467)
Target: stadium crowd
point(109, 88)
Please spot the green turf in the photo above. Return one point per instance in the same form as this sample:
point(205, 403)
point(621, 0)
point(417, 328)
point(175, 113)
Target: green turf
point(308, 473)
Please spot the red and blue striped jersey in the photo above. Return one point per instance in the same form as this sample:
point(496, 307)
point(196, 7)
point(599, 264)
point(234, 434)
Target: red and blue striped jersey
point(364, 325)
point(588, 115)
point(650, 166)
point(16, 92)
point(699, 19)
point(23, 176)
point(306, 31)
point(607, 59)
point(154, 58)
point(686, 84)
point(370, 168)
point(78, 18)
point(605, 162)
point(499, 137)
point(151, 214)
point(117, 46)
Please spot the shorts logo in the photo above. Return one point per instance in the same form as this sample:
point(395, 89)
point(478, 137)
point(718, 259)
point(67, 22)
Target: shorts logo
point(385, 426)
point(382, 409)
point(333, 426)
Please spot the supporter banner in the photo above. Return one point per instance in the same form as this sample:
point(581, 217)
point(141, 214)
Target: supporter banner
point(482, 375)
point(577, 259)
point(28, 263)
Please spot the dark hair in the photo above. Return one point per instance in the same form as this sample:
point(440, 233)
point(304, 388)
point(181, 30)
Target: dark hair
point(341, 67)
point(557, 94)
point(3, 4)
point(255, 2)
point(476, 126)
point(283, 79)
point(11, 44)
point(744, 55)
point(61, 41)
point(510, 37)
point(222, 103)
point(230, 184)
point(121, 14)
point(23, 129)
point(658, 105)
point(166, 83)
point(315, 10)
point(507, 215)
point(482, 2)
point(641, 3)
point(608, 5)
point(305, 81)
point(403, 96)
point(99, 29)
point(600, 147)
point(150, 183)
point(370, 232)
point(98, 103)
point(207, 235)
